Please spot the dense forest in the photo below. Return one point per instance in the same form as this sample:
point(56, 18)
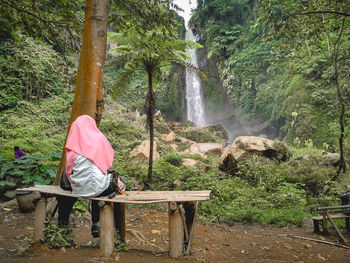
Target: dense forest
point(284, 62)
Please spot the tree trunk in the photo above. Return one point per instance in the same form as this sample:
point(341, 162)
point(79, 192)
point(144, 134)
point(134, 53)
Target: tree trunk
point(151, 127)
point(88, 98)
point(342, 165)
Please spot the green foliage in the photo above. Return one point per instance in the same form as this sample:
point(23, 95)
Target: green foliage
point(55, 22)
point(30, 70)
point(312, 177)
point(80, 206)
point(173, 158)
point(35, 128)
point(58, 236)
point(119, 245)
point(199, 135)
point(123, 136)
point(33, 169)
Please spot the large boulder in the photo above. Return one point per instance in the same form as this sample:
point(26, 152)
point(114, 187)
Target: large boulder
point(246, 146)
point(168, 137)
point(330, 159)
point(204, 148)
point(188, 162)
point(141, 152)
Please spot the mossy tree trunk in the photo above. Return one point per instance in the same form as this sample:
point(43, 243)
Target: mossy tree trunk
point(342, 165)
point(151, 126)
point(88, 98)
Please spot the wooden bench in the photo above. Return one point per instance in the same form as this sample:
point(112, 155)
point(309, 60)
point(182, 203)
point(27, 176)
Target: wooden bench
point(330, 213)
point(182, 211)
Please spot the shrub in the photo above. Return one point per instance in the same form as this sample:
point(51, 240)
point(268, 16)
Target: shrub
point(35, 169)
point(29, 70)
point(315, 179)
point(173, 158)
point(58, 236)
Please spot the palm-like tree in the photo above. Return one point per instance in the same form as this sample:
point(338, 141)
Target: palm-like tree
point(149, 52)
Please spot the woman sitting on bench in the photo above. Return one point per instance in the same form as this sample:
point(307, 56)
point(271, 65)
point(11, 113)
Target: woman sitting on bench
point(88, 156)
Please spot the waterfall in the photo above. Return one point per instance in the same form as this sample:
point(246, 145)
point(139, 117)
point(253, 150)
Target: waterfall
point(194, 98)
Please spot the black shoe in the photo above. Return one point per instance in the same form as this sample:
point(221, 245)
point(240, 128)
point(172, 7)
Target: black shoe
point(95, 230)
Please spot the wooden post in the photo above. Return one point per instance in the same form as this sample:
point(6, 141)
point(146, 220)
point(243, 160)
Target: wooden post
point(119, 217)
point(347, 223)
point(316, 226)
point(190, 213)
point(324, 222)
point(107, 229)
point(39, 220)
point(176, 231)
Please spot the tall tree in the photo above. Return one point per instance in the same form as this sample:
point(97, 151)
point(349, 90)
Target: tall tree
point(149, 52)
point(322, 24)
point(88, 98)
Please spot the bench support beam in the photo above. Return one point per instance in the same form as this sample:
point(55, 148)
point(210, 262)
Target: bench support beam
point(107, 229)
point(119, 218)
point(176, 231)
point(39, 220)
point(190, 213)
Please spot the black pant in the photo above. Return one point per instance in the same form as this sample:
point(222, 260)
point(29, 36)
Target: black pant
point(65, 205)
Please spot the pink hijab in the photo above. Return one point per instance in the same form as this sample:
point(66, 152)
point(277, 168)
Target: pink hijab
point(85, 139)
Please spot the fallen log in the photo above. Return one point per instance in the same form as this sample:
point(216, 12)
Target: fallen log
point(322, 241)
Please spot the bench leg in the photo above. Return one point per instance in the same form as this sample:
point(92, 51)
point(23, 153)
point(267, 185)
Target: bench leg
point(347, 223)
point(316, 226)
point(39, 220)
point(107, 229)
point(119, 216)
point(190, 213)
point(176, 231)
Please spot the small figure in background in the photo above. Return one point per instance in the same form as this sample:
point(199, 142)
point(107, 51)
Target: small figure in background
point(18, 153)
point(137, 113)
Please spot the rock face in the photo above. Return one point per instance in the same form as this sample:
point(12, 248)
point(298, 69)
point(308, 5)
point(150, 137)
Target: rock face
point(141, 152)
point(204, 148)
point(246, 146)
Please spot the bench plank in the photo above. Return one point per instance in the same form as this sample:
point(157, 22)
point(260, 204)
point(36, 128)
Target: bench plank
point(334, 216)
point(132, 197)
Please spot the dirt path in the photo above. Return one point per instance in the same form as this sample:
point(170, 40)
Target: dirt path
point(212, 243)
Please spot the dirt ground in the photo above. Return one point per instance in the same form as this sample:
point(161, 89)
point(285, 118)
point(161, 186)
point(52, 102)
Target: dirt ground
point(212, 242)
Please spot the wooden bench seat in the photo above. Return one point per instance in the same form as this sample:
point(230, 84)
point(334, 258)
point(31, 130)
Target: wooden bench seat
point(182, 211)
